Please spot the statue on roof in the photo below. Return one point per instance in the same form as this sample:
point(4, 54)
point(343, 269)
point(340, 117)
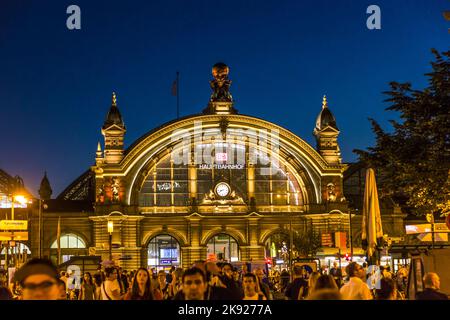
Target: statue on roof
point(221, 84)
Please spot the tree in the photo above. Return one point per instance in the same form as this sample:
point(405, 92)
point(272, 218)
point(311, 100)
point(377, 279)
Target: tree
point(413, 162)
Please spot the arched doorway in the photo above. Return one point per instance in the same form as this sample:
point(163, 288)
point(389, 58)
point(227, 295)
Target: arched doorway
point(70, 245)
point(163, 252)
point(277, 248)
point(223, 247)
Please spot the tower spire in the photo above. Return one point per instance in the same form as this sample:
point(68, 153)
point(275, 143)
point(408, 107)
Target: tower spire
point(324, 102)
point(114, 99)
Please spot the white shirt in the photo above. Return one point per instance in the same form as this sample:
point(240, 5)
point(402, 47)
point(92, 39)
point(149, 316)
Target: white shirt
point(109, 286)
point(356, 289)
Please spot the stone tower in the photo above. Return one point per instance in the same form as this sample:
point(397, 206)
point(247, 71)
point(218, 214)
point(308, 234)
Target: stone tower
point(113, 131)
point(326, 133)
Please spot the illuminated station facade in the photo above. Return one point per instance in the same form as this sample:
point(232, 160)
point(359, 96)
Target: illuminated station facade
point(216, 185)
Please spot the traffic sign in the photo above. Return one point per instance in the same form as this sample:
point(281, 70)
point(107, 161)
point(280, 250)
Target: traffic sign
point(13, 225)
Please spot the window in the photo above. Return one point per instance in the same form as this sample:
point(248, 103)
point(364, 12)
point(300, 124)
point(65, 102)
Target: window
point(70, 241)
point(163, 250)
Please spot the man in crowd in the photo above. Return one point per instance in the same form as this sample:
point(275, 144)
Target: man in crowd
point(38, 278)
point(297, 289)
point(356, 288)
point(250, 288)
point(110, 287)
point(194, 285)
point(336, 272)
point(228, 280)
point(432, 285)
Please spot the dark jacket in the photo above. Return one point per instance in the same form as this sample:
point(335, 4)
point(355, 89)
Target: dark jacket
point(431, 294)
point(293, 289)
point(212, 293)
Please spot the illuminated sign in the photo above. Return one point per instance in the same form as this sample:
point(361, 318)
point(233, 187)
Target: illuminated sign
point(14, 225)
point(8, 236)
point(221, 157)
point(220, 166)
point(425, 228)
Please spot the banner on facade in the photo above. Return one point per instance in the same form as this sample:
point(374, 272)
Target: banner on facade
point(340, 240)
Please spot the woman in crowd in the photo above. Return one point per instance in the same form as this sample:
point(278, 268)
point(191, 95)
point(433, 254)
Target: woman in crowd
point(312, 282)
point(87, 289)
point(98, 279)
point(141, 288)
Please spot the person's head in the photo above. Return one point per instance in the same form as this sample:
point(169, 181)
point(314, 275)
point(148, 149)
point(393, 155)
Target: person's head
point(249, 282)
point(111, 273)
point(244, 268)
point(365, 265)
point(355, 270)
point(313, 279)
point(227, 270)
point(387, 291)
point(62, 289)
point(161, 276)
point(87, 278)
point(335, 264)
point(141, 281)
point(298, 271)
point(98, 279)
point(178, 274)
point(325, 294)
point(194, 284)
point(63, 274)
point(38, 278)
point(325, 281)
point(259, 273)
point(431, 280)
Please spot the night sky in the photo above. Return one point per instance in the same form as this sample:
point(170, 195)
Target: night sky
point(56, 84)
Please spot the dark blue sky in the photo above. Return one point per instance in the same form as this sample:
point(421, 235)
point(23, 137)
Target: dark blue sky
point(56, 84)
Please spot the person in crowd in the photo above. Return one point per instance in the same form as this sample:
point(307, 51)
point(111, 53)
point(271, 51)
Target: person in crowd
point(64, 277)
point(63, 289)
point(5, 292)
point(356, 288)
point(142, 288)
point(212, 275)
point(325, 281)
point(98, 286)
point(169, 274)
point(250, 288)
point(110, 288)
point(194, 285)
point(160, 292)
point(387, 289)
point(386, 273)
point(261, 284)
point(176, 284)
point(296, 290)
point(87, 288)
point(38, 279)
point(124, 280)
point(336, 272)
point(326, 294)
point(432, 285)
point(227, 279)
point(284, 278)
point(312, 282)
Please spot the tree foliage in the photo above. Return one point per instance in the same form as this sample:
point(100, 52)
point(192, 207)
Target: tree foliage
point(413, 161)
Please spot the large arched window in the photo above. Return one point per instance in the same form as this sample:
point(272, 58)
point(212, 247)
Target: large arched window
point(167, 183)
point(223, 247)
point(163, 251)
point(69, 241)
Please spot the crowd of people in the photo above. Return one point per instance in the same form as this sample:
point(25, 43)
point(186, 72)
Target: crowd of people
point(39, 279)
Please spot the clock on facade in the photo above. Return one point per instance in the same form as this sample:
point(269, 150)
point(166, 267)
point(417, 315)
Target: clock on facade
point(222, 189)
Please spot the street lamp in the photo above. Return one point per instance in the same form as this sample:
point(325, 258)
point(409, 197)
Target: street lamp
point(16, 199)
point(110, 231)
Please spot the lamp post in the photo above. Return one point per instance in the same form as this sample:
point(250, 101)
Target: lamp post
point(110, 231)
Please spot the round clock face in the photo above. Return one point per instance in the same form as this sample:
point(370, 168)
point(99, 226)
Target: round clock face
point(222, 189)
